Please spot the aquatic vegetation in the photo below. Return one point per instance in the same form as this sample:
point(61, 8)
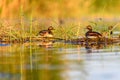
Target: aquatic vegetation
point(21, 30)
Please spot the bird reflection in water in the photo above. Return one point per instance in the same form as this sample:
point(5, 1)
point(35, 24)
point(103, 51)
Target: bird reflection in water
point(46, 44)
point(89, 47)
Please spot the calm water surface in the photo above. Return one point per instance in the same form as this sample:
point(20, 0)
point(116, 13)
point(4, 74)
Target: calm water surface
point(60, 62)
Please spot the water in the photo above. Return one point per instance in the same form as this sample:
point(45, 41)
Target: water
point(60, 62)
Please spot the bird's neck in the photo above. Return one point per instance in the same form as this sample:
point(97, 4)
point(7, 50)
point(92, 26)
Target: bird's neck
point(90, 30)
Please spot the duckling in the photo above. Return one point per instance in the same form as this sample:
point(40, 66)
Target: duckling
point(90, 33)
point(46, 33)
point(108, 33)
point(110, 30)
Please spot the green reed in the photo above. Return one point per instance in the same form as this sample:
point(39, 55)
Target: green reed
point(31, 41)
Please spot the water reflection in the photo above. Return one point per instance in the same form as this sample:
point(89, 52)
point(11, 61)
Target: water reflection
point(60, 62)
point(89, 46)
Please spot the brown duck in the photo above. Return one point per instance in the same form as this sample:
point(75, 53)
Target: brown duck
point(90, 32)
point(46, 33)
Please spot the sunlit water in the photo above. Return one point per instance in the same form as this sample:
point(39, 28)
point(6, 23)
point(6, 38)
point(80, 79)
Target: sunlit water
point(60, 62)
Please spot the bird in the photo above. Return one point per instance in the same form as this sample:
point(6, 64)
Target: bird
point(46, 37)
point(110, 30)
point(92, 33)
point(46, 33)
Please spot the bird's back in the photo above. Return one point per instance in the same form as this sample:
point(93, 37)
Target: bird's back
point(42, 33)
point(93, 33)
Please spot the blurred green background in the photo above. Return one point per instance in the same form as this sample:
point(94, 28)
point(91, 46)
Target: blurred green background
point(59, 8)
